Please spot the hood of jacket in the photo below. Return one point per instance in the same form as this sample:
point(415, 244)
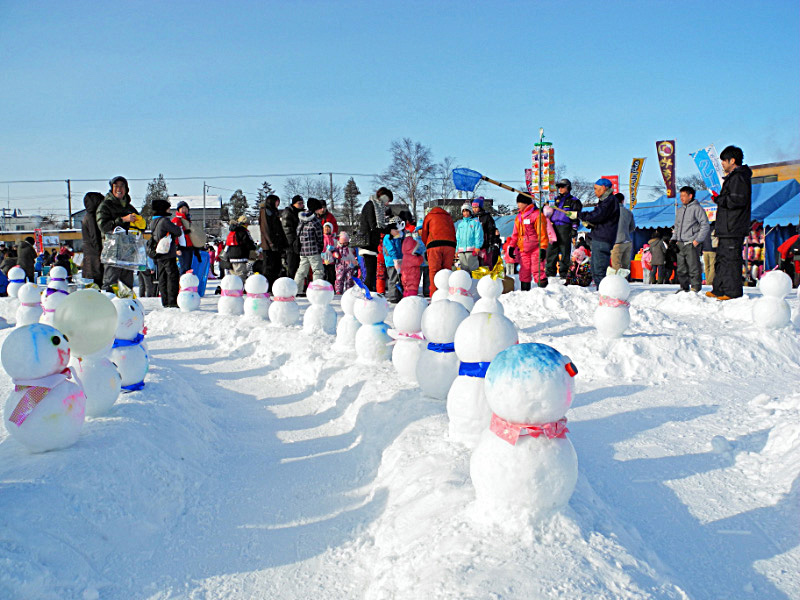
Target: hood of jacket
point(307, 216)
point(91, 201)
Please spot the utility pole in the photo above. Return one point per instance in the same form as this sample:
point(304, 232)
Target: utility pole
point(204, 208)
point(331, 180)
point(69, 204)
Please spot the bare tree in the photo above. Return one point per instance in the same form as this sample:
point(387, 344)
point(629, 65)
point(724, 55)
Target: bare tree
point(583, 189)
point(442, 180)
point(411, 165)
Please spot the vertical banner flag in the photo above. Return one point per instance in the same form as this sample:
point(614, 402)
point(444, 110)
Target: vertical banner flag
point(543, 156)
point(710, 167)
point(636, 174)
point(529, 180)
point(666, 160)
point(38, 242)
point(614, 179)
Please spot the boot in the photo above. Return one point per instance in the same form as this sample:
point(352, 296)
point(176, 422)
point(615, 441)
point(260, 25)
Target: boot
point(525, 286)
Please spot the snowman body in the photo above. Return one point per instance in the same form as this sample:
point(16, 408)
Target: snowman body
point(479, 338)
point(50, 299)
point(348, 325)
point(100, 381)
point(460, 284)
point(489, 291)
point(231, 301)
point(46, 410)
point(256, 298)
point(442, 282)
point(30, 308)
point(372, 338)
point(58, 279)
point(284, 311)
point(524, 461)
point(407, 333)
point(437, 366)
point(128, 351)
point(612, 315)
point(771, 311)
point(16, 279)
point(320, 316)
point(188, 298)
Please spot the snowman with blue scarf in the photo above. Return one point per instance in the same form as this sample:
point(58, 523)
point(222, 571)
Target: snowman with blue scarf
point(437, 366)
point(128, 352)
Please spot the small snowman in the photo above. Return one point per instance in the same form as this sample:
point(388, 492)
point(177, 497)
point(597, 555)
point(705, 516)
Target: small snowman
point(50, 300)
point(524, 461)
point(460, 284)
point(100, 380)
point(188, 298)
point(30, 308)
point(771, 311)
point(58, 279)
point(348, 325)
point(231, 301)
point(372, 338)
point(128, 352)
point(320, 316)
point(612, 316)
point(284, 310)
point(489, 291)
point(16, 279)
point(442, 282)
point(437, 366)
point(45, 411)
point(479, 338)
point(256, 301)
point(407, 333)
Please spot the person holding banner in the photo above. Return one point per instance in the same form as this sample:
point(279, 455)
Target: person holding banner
point(691, 230)
point(732, 224)
point(604, 220)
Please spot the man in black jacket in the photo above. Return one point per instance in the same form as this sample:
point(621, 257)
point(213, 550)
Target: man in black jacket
point(115, 211)
point(565, 228)
point(290, 219)
point(732, 224)
point(26, 257)
point(490, 249)
point(273, 237)
point(92, 268)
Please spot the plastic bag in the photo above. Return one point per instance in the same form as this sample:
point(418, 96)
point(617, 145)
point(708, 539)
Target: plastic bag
point(163, 245)
point(124, 250)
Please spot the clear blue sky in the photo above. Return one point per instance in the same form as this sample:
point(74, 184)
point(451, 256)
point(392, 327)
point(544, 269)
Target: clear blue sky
point(215, 88)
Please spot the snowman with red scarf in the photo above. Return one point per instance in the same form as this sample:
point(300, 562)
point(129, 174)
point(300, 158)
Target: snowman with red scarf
point(524, 461)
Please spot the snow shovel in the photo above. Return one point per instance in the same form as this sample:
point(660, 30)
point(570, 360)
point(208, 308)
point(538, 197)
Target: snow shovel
point(465, 180)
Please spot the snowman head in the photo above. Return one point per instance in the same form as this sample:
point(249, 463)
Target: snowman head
point(231, 282)
point(441, 320)
point(34, 351)
point(256, 284)
point(284, 287)
point(481, 336)
point(372, 310)
point(490, 288)
point(16, 273)
point(319, 292)
point(614, 286)
point(130, 318)
point(776, 284)
point(460, 279)
point(441, 279)
point(349, 298)
point(188, 280)
point(58, 274)
point(530, 383)
point(407, 316)
point(29, 294)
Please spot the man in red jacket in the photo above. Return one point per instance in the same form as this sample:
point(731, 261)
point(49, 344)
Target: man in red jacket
point(327, 217)
point(439, 236)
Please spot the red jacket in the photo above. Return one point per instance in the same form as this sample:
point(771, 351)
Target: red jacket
point(530, 231)
point(785, 247)
point(438, 229)
point(179, 221)
point(329, 218)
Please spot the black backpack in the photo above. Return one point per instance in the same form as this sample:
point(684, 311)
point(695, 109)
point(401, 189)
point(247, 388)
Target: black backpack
point(150, 247)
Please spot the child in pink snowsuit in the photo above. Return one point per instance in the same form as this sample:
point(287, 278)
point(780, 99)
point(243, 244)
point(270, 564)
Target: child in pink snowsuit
point(346, 261)
point(530, 235)
point(413, 257)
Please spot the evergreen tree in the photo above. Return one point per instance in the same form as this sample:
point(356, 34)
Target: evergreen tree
point(351, 206)
point(237, 205)
point(264, 191)
point(156, 190)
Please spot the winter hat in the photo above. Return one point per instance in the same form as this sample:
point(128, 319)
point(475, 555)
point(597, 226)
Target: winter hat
point(478, 201)
point(521, 199)
point(605, 182)
point(620, 198)
point(119, 178)
point(466, 207)
point(243, 220)
point(181, 204)
point(296, 199)
point(344, 237)
point(328, 225)
point(313, 205)
point(30, 240)
point(161, 207)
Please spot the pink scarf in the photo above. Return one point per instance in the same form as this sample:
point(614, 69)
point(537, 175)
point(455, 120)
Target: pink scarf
point(511, 432)
point(233, 293)
point(612, 302)
point(35, 390)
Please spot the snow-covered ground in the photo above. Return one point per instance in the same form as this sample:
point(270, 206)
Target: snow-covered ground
point(260, 462)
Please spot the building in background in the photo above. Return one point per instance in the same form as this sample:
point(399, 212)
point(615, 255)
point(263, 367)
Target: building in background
point(453, 205)
point(777, 171)
point(216, 215)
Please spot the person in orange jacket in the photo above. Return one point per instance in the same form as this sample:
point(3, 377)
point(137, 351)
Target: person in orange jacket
point(531, 239)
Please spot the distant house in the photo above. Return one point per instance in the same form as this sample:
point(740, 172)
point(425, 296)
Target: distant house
point(16, 220)
point(215, 214)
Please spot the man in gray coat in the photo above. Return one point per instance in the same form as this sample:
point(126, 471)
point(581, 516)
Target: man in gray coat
point(691, 229)
point(621, 252)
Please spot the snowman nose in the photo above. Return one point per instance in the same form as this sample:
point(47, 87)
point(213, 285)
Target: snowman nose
point(571, 369)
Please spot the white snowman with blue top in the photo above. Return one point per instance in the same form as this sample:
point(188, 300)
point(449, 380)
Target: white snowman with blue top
point(437, 366)
point(128, 352)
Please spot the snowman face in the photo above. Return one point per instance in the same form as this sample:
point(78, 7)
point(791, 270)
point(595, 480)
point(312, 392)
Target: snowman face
point(441, 278)
point(34, 351)
point(615, 286)
point(490, 288)
point(284, 287)
point(530, 383)
point(29, 293)
point(441, 320)
point(319, 292)
point(130, 318)
point(460, 279)
point(256, 284)
point(370, 311)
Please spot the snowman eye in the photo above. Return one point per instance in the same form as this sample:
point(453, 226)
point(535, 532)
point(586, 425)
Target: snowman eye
point(66, 339)
point(56, 340)
point(132, 309)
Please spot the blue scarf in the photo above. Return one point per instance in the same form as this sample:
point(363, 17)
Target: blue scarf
point(134, 387)
point(443, 348)
point(123, 343)
point(474, 369)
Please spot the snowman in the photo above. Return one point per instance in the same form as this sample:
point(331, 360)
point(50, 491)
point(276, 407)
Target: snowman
point(460, 284)
point(489, 291)
point(437, 366)
point(256, 302)
point(284, 310)
point(30, 308)
point(442, 282)
point(771, 311)
point(407, 333)
point(50, 299)
point(128, 352)
point(524, 461)
point(479, 338)
point(100, 380)
point(348, 325)
point(16, 279)
point(372, 338)
point(231, 301)
point(188, 298)
point(320, 316)
point(58, 279)
point(45, 411)
point(612, 317)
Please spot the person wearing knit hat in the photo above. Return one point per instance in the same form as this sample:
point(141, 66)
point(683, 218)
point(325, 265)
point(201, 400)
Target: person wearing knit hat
point(469, 239)
point(490, 250)
point(559, 252)
point(115, 211)
point(603, 220)
point(530, 238)
point(188, 250)
point(161, 226)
